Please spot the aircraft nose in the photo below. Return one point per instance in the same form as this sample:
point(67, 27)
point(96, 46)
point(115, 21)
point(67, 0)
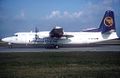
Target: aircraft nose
point(4, 40)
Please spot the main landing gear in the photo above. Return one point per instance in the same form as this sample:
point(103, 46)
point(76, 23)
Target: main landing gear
point(52, 46)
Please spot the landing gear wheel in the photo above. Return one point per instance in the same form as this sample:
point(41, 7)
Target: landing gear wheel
point(10, 45)
point(52, 46)
point(56, 46)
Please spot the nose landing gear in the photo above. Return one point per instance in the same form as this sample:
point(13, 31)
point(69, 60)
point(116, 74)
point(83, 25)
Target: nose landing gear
point(10, 45)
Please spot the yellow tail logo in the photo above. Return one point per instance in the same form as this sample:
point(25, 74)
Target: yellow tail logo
point(108, 21)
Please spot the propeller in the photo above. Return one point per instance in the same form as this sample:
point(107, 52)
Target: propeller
point(36, 35)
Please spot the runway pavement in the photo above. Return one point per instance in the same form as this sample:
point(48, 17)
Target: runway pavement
point(78, 49)
point(113, 45)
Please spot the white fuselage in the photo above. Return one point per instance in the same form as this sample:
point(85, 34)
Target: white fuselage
point(78, 37)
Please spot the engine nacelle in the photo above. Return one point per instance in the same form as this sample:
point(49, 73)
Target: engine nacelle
point(56, 32)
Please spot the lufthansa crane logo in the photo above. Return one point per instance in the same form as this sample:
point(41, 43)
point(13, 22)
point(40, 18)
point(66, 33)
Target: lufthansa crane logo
point(108, 21)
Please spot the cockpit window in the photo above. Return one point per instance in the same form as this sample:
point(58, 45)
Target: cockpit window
point(16, 35)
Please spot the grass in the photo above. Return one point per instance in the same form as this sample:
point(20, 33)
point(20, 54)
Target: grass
point(60, 65)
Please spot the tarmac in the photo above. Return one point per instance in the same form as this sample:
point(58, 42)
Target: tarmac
point(113, 45)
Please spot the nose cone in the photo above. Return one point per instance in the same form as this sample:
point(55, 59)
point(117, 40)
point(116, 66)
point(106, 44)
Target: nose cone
point(5, 40)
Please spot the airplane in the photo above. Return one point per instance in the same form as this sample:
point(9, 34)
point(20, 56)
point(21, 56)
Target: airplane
point(57, 37)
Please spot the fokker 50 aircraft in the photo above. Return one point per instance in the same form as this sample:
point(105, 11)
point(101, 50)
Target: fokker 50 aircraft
point(57, 37)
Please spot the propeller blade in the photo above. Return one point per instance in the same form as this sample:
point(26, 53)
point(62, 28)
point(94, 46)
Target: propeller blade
point(36, 35)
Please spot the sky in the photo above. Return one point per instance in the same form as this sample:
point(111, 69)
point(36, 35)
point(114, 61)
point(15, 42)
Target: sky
point(72, 15)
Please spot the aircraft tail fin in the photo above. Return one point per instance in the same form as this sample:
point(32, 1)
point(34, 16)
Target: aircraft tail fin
point(108, 22)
